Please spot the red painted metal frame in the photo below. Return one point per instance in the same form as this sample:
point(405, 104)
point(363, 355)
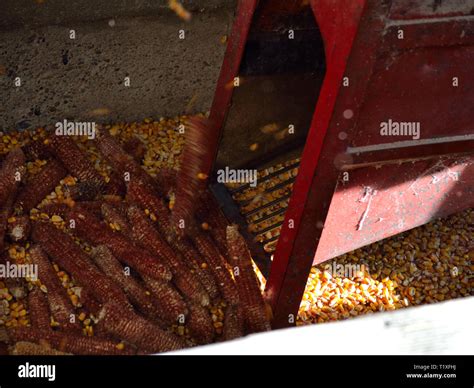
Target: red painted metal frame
point(343, 119)
point(356, 35)
point(317, 174)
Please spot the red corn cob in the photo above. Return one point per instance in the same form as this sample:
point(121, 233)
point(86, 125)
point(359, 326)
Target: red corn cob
point(89, 301)
point(135, 148)
point(114, 215)
point(121, 162)
point(39, 310)
point(94, 207)
point(211, 206)
point(137, 294)
point(37, 149)
point(5, 211)
point(40, 186)
point(68, 255)
point(83, 191)
point(90, 228)
point(217, 234)
point(59, 303)
point(19, 229)
point(69, 343)
point(139, 193)
point(77, 162)
point(16, 286)
point(171, 303)
point(218, 266)
point(253, 305)
point(192, 175)
point(139, 331)
point(196, 263)
point(116, 184)
point(209, 212)
point(166, 181)
point(145, 232)
point(12, 169)
point(233, 323)
point(24, 348)
point(200, 325)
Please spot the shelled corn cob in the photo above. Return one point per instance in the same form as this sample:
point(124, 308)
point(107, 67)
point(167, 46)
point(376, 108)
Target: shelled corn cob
point(110, 271)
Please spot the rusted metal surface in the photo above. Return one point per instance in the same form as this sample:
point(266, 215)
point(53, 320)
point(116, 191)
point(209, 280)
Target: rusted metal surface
point(434, 33)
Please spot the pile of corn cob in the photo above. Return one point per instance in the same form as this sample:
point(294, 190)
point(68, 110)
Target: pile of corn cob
point(115, 275)
point(425, 265)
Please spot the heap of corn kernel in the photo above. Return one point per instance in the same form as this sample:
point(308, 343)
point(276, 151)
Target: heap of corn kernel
point(428, 264)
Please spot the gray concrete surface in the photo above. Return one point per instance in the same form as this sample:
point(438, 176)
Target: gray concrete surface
point(63, 78)
point(47, 12)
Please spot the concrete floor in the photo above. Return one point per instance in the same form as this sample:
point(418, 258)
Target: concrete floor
point(83, 79)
